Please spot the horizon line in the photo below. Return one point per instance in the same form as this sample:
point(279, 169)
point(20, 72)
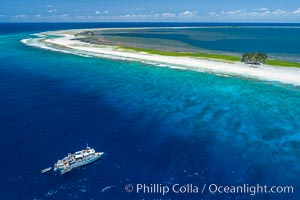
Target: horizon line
point(149, 22)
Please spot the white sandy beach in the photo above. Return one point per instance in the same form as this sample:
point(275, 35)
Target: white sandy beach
point(67, 44)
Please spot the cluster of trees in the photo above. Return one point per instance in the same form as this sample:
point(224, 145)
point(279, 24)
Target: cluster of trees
point(254, 58)
point(85, 33)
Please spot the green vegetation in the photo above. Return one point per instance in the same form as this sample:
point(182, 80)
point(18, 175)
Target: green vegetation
point(282, 63)
point(254, 58)
point(190, 54)
point(211, 56)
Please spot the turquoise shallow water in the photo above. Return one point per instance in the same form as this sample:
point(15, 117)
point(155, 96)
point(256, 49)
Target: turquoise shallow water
point(156, 125)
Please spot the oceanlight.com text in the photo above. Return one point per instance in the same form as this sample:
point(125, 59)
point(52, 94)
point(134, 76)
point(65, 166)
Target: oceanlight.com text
point(246, 189)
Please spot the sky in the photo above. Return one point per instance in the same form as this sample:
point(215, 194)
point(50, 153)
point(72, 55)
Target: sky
point(150, 11)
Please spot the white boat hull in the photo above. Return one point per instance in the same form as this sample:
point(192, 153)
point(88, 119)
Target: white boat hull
point(81, 162)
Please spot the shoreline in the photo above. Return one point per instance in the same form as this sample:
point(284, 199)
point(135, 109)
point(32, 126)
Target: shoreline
point(65, 41)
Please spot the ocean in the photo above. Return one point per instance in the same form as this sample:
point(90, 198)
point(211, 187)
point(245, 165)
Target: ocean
point(279, 42)
point(156, 125)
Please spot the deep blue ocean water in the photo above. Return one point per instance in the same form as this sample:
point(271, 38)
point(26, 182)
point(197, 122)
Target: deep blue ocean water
point(155, 125)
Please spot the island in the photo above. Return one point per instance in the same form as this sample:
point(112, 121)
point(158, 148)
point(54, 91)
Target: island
point(91, 43)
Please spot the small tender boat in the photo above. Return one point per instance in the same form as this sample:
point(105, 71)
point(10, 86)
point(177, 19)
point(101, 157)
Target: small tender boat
point(46, 170)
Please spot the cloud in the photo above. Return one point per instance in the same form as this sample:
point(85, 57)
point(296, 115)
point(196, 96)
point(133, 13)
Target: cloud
point(63, 15)
point(153, 15)
point(20, 16)
point(133, 16)
point(38, 16)
point(2, 15)
point(53, 10)
point(263, 9)
point(279, 12)
point(258, 13)
point(167, 15)
point(297, 11)
point(105, 15)
point(188, 13)
point(101, 12)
